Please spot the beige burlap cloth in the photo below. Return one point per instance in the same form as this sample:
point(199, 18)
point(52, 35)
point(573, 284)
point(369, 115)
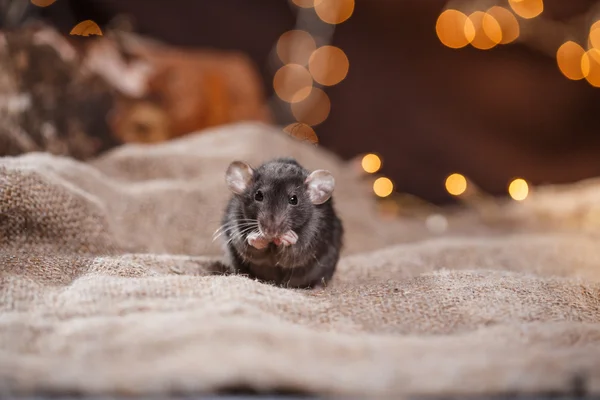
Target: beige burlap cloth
point(106, 286)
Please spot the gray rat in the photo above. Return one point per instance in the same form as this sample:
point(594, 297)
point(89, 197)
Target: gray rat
point(280, 225)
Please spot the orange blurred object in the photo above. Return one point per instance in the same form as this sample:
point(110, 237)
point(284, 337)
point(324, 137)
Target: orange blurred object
point(454, 29)
point(328, 65)
point(334, 11)
point(569, 57)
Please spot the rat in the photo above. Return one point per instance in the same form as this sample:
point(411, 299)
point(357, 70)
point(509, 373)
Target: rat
point(280, 225)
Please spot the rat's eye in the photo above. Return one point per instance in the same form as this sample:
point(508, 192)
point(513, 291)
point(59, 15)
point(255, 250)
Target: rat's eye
point(293, 200)
point(258, 196)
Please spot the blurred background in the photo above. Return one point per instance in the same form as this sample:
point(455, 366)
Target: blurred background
point(425, 95)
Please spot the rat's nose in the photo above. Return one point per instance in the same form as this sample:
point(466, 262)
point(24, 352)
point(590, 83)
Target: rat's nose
point(269, 228)
point(268, 232)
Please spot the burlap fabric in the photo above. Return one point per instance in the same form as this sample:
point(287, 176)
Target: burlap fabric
point(107, 285)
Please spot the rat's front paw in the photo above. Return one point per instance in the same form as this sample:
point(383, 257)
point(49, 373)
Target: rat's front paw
point(289, 238)
point(257, 241)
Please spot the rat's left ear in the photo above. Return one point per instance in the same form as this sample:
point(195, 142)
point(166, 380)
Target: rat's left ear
point(238, 176)
point(320, 185)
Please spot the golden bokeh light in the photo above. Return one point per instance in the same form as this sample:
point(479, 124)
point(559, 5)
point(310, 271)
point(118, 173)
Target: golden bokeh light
point(509, 25)
point(518, 189)
point(487, 30)
point(86, 28)
point(437, 223)
point(42, 3)
point(334, 11)
point(590, 66)
point(454, 29)
point(302, 132)
point(328, 65)
point(295, 47)
point(383, 187)
point(527, 8)
point(304, 3)
point(456, 184)
point(569, 59)
point(594, 36)
point(292, 83)
point(314, 109)
point(371, 163)
point(388, 208)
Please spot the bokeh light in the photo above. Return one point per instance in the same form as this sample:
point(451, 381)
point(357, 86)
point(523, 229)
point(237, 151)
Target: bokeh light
point(388, 208)
point(292, 83)
point(454, 29)
point(302, 132)
point(314, 109)
point(383, 187)
point(86, 28)
point(487, 30)
point(569, 59)
point(590, 66)
point(295, 47)
point(527, 8)
point(371, 163)
point(328, 65)
point(594, 35)
point(436, 223)
point(42, 3)
point(304, 3)
point(518, 189)
point(334, 11)
point(509, 25)
point(456, 184)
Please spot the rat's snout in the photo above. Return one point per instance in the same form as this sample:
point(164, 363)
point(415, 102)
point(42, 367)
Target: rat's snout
point(271, 226)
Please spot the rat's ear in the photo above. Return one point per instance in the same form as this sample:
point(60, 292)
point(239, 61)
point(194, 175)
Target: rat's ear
point(238, 176)
point(320, 185)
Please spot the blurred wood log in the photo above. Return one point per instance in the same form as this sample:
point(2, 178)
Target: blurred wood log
point(46, 102)
point(194, 88)
point(80, 96)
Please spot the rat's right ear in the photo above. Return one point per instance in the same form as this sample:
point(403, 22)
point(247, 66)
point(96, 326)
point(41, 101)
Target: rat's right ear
point(238, 176)
point(320, 185)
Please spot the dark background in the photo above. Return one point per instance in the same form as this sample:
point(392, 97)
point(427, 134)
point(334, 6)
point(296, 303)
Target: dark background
point(426, 109)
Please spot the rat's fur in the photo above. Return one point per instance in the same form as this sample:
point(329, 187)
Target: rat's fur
point(312, 260)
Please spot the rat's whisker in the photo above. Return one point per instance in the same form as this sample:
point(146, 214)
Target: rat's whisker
point(234, 223)
point(232, 230)
point(239, 234)
point(227, 227)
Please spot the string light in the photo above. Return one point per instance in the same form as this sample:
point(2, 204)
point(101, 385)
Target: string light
point(42, 3)
point(314, 109)
point(302, 132)
point(454, 29)
point(292, 83)
point(304, 64)
point(334, 11)
point(389, 208)
point(487, 30)
point(594, 36)
point(304, 3)
point(518, 189)
point(590, 66)
point(436, 223)
point(383, 187)
point(328, 65)
point(295, 47)
point(569, 59)
point(456, 184)
point(371, 163)
point(527, 8)
point(509, 25)
point(86, 28)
